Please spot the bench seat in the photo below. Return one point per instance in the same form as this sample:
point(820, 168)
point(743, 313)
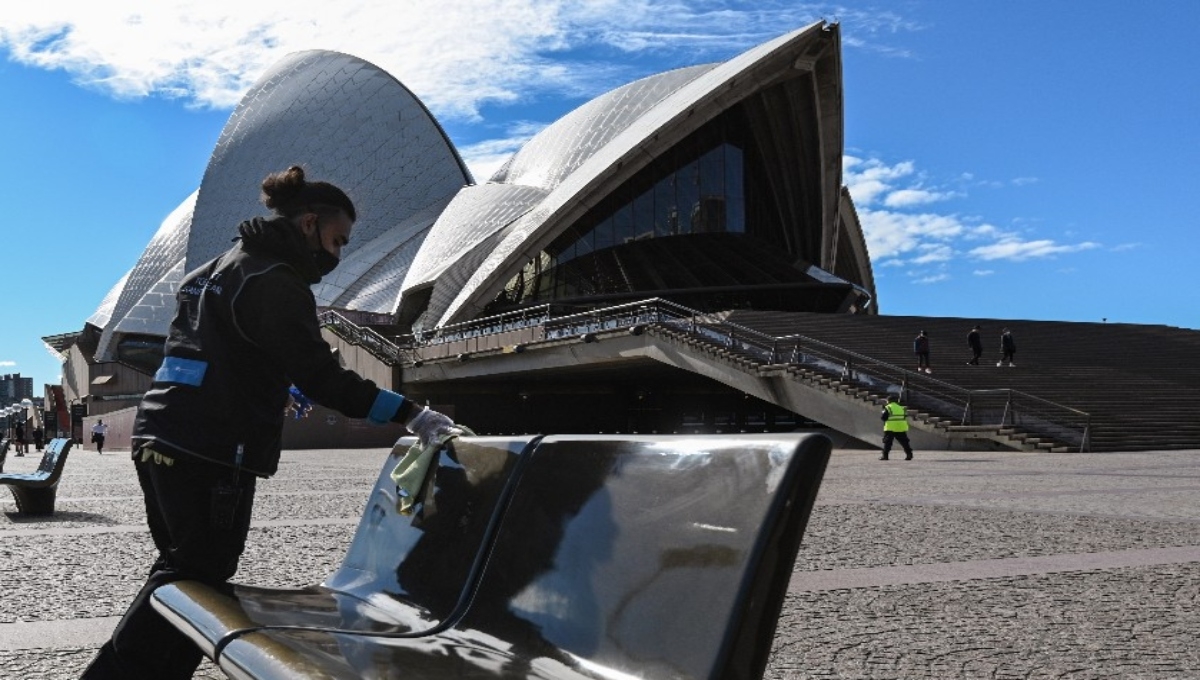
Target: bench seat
point(35, 492)
point(402, 574)
point(614, 557)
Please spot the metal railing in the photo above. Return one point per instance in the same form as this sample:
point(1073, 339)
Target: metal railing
point(488, 325)
point(382, 348)
point(964, 407)
point(986, 408)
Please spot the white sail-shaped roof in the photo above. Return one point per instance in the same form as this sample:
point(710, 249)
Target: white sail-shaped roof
point(600, 168)
point(345, 121)
point(429, 245)
point(165, 250)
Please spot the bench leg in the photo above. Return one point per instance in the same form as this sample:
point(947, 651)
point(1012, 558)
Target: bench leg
point(35, 501)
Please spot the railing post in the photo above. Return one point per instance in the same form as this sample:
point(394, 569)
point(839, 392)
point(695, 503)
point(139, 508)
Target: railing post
point(1007, 410)
point(967, 418)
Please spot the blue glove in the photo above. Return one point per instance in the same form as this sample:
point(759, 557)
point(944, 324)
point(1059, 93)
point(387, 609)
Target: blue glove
point(300, 405)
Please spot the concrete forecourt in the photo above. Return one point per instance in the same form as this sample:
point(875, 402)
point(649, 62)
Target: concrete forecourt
point(954, 565)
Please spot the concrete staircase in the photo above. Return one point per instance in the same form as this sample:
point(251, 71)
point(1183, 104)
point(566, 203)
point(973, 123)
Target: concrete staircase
point(848, 406)
point(1139, 383)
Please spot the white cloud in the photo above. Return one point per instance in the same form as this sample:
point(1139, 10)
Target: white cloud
point(904, 198)
point(210, 51)
point(883, 194)
point(8, 364)
point(872, 181)
point(456, 55)
point(933, 252)
point(892, 234)
point(1012, 248)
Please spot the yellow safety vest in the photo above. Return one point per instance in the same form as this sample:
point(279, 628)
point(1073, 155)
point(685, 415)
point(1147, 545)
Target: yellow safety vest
point(897, 420)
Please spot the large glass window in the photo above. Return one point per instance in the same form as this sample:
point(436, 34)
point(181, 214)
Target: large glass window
point(698, 187)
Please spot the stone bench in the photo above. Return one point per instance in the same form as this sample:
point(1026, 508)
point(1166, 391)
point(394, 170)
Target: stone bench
point(36, 491)
point(556, 557)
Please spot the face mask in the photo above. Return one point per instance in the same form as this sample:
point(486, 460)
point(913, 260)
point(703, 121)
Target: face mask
point(324, 260)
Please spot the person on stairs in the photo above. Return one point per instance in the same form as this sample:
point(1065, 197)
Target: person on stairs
point(921, 349)
point(1008, 348)
point(975, 342)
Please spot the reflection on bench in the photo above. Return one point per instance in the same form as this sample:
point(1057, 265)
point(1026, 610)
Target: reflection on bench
point(36, 491)
point(556, 557)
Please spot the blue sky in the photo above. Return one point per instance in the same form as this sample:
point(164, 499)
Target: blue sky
point(1019, 160)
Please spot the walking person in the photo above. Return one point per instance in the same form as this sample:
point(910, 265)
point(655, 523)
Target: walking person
point(1008, 348)
point(99, 432)
point(921, 349)
point(245, 329)
point(975, 342)
point(895, 427)
point(19, 438)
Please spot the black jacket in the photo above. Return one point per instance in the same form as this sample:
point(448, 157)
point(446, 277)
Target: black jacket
point(245, 329)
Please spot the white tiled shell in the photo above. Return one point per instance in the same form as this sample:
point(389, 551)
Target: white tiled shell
point(103, 313)
point(476, 216)
point(560, 149)
point(347, 122)
point(421, 220)
point(165, 250)
point(621, 154)
point(154, 311)
point(480, 216)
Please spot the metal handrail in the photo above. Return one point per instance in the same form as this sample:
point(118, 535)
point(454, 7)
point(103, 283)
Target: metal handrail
point(997, 407)
point(1033, 414)
point(379, 346)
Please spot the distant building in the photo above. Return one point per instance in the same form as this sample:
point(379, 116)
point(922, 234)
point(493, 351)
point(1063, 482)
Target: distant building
point(14, 388)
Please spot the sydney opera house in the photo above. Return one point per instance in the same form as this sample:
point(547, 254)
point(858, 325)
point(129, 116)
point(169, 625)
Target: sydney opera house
point(709, 188)
point(676, 255)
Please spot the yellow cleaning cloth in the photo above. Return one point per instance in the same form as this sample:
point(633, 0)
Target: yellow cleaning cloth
point(410, 472)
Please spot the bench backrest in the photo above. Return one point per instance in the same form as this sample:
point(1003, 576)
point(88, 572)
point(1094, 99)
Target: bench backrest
point(650, 556)
point(54, 459)
point(3, 453)
point(416, 570)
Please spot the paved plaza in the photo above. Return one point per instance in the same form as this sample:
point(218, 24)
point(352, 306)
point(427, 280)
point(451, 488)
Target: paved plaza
point(954, 565)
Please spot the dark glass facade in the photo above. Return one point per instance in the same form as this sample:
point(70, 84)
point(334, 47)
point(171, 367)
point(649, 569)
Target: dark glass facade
point(629, 243)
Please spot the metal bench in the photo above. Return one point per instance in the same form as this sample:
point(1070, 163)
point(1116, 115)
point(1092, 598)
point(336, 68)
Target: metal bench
point(561, 557)
point(36, 491)
point(3, 453)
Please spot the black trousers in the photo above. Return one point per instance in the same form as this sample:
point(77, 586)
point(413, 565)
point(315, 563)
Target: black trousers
point(901, 437)
point(200, 534)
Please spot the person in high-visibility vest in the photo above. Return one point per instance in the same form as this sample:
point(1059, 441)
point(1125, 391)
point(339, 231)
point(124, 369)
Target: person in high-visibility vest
point(895, 427)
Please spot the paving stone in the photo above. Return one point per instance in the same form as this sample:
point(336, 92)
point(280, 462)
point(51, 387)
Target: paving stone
point(946, 512)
